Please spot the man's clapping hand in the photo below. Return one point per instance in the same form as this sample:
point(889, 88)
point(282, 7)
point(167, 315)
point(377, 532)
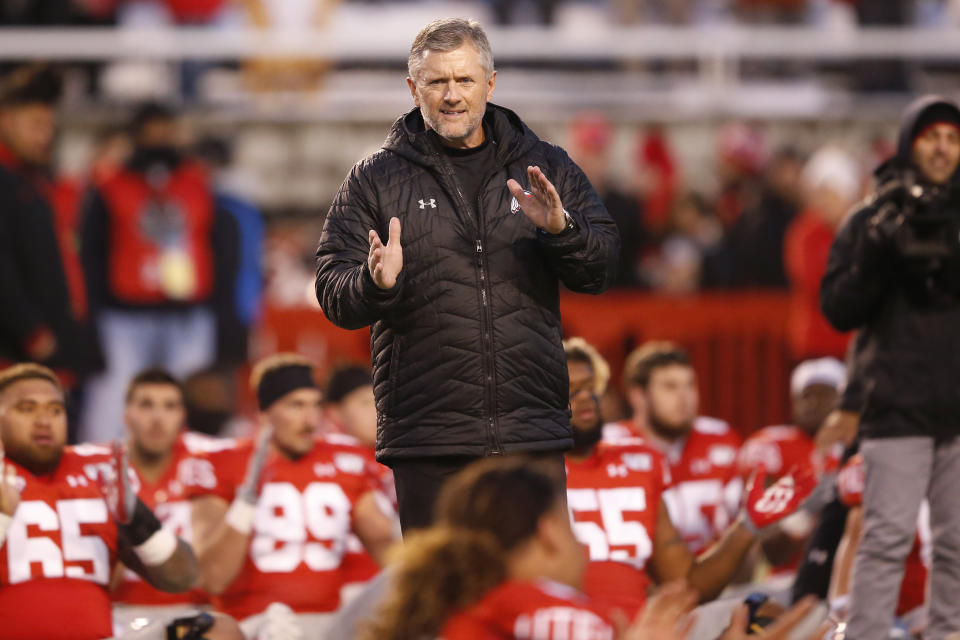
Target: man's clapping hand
point(542, 203)
point(385, 261)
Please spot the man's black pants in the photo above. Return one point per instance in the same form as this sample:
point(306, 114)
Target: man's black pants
point(419, 481)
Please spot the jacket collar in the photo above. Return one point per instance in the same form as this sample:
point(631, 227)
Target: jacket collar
point(409, 137)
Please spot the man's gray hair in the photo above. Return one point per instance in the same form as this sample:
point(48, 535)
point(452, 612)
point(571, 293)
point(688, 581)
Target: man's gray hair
point(447, 34)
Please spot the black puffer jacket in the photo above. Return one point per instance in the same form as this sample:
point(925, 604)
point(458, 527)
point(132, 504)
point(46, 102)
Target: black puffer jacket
point(467, 355)
point(907, 358)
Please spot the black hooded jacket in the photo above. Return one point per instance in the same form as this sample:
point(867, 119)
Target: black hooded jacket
point(466, 347)
point(34, 295)
point(908, 349)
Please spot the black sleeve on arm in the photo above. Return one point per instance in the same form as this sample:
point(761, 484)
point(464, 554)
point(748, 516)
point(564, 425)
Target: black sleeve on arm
point(93, 248)
point(816, 567)
point(345, 289)
point(585, 258)
point(854, 394)
point(852, 288)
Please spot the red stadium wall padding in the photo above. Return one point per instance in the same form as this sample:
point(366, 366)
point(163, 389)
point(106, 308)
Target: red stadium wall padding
point(737, 343)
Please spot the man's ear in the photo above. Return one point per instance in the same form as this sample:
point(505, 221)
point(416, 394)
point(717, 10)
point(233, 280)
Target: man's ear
point(491, 83)
point(413, 91)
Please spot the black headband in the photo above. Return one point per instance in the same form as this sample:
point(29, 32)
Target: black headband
point(278, 382)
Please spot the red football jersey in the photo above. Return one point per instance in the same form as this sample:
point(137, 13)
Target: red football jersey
point(613, 497)
point(706, 490)
point(304, 514)
point(541, 610)
point(779, 449)
point(358, 565)
point(782, 448)
point(60, 549)
point(189, 472)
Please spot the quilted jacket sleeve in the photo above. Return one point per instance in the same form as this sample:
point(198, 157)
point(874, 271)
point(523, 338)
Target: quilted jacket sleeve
point(852, 291)
point(585, 259)
point(345, 290)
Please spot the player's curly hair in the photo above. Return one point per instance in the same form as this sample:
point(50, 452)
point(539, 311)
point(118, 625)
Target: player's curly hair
point(579, 350)
point(483, 513)
point(28, 371)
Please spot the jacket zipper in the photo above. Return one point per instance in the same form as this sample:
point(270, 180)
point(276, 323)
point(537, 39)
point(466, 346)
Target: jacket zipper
point(493, 423)
point(486, 315)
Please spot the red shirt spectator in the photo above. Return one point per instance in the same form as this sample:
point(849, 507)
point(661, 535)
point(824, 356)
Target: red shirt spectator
point(194, 11)
point(658, 166)
point(832, 181)
point(806, 249)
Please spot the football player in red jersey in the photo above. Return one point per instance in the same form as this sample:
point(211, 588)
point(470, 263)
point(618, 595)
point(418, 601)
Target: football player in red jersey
point(73, 515)
point(503, 562)
point(274, 528)
point(815, 388)
point(170, 465)
point(350, 406)
point(661, 387)
point(616, 495)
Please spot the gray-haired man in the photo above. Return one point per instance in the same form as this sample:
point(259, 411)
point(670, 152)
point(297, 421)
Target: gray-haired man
point(465, 320)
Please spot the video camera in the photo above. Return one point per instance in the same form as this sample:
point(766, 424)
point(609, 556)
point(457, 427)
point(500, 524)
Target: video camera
point(922, 219)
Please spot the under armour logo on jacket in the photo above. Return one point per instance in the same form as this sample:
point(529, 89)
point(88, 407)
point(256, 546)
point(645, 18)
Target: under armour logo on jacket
point(432, 204)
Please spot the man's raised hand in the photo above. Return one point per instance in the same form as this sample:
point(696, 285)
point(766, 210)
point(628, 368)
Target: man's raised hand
point(542, 203)
point(385, 261)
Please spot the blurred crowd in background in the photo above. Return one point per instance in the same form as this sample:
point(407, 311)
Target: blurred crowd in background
point(266, 12)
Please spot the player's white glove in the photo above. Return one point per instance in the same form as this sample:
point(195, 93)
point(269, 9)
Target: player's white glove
point(242, 512)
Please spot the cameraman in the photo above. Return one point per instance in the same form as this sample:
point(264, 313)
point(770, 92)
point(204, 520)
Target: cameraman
point(894, 273)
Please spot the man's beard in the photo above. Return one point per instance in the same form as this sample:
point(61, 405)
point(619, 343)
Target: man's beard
point(149, 456)
point(665, 430)
point(584, 440)
point(28, 458)
point(440, 129)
